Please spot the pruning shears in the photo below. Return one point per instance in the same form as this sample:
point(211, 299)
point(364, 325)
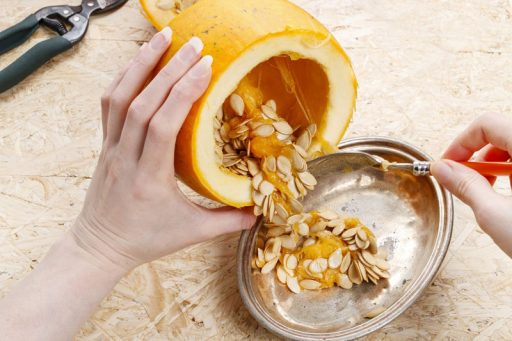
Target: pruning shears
point(70, 22)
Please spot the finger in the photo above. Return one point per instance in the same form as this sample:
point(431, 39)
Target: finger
point(227, 220)
point(496, 220)
point(133, 81)
point(153, 96)
point(491, 128)
point(491, 154)
point(157, 156)
point(105, 98)
point(492, 211)
point(465, 183)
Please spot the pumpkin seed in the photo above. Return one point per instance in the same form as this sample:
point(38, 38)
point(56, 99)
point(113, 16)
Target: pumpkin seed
point(219, 115)
point(288, 242)
point(276, 231)
point(281, 274)
point(369, 258)
point(264, 130)
point(269, 266)
point(343, 281)
point(379, 272)
point(300, 187)
point(293, 284)
point(338, 230)
point(298, 161)
point(302, 152)
point(353, 247)
point(269, 112)
point(257, 211)
point(296, 218)
point(257, 180)
point(335, 259)
point(373, 246)
point(281, 211)
point(265, 187)
point(354, 275)
point(362, 270)
point(166, 5)
point(345, 263)
point(327, 214)
point(283, 127)
point(311, 129)
point(349, 233)
point(307, 179)
point(261, 257)
point(270, 163)
point(309, 242)
point(237, 104)
point(373, 313)
point(295, 204)
point(272, 104)
point(293, 189)
point(258, 198)
point(360, 244)
point(253, 167)
point(381, 264)
point(284, 165)
point(304, 140)
point(310, 284)
point(291, 262)
point(303, 229)
point(318, 226)
point(362, 235)
point(265, 206)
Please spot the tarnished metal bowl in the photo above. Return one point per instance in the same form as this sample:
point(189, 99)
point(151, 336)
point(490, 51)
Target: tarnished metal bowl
point(412, 218)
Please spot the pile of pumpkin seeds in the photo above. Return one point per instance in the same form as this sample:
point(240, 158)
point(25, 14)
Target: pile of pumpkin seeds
point(355, 259)
point(288, 229)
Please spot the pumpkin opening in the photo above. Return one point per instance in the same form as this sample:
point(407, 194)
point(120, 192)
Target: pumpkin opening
point(299, 87)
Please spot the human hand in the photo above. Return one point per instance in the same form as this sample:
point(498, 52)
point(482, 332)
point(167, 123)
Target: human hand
point(134, 211)
point(490, 136)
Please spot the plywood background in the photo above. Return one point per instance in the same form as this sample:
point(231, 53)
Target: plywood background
point(425, 70)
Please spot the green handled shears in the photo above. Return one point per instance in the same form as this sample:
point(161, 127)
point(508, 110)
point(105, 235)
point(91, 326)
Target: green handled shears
point(58, 19)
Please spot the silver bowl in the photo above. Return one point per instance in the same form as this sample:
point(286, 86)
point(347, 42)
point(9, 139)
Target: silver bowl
point(412, 218)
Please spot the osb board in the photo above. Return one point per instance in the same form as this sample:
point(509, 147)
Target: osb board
point(425, 70)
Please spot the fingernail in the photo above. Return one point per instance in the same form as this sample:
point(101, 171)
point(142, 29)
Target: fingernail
point(191, 49)
point(202, 68)
point(161, 39)
point(442, 171)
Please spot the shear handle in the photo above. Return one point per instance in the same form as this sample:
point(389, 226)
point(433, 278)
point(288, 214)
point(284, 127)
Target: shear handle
point(45, 50)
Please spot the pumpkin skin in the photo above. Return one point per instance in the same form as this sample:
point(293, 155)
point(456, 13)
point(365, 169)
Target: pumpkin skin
point(253, 34)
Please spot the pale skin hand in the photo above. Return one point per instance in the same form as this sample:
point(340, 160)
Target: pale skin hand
point(490, 136)
point(133, 212)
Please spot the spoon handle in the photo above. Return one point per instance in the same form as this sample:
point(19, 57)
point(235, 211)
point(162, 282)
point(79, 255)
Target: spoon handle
point(421, 168)
point(490, 168)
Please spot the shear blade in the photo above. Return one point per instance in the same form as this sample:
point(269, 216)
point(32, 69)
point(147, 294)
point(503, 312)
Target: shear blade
point(107, 5)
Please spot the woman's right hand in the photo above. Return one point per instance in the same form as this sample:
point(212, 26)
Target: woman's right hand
point(490, 136)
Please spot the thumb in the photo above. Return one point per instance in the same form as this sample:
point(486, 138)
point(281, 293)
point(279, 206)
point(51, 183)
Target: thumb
point(492, 211)
point(465, 183)
point(228, 219)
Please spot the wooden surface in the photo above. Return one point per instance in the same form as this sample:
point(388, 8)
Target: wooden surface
point(425, 70)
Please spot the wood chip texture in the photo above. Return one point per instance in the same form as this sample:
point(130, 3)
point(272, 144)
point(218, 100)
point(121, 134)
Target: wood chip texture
point(425, 70)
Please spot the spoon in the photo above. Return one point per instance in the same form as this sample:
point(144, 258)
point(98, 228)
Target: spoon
point(422, 168)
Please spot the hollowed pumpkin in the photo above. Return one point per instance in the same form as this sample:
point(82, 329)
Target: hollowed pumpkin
point(268, 48)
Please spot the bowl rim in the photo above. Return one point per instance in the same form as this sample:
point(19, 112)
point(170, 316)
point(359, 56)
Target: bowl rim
point(414, 290)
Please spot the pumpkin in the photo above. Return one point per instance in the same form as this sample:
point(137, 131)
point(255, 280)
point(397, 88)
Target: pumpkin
point(263, 49)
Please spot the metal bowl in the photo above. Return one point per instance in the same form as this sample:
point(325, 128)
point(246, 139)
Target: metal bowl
point(412, 218)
